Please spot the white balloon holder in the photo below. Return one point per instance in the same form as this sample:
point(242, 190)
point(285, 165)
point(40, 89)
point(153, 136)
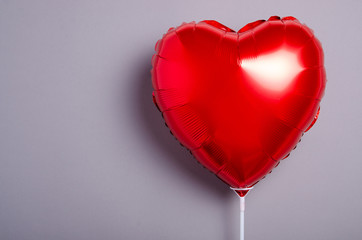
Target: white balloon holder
point(242, 209)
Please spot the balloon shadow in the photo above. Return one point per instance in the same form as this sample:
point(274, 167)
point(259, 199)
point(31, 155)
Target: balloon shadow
point(154, 126)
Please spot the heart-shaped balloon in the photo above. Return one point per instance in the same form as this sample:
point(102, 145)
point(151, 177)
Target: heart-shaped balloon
point(239, 101)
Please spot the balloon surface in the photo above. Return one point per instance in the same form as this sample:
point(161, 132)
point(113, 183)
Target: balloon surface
point(239, 101)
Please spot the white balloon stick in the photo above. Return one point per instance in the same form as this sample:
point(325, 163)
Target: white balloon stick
point(242, 213)
point(242, 209)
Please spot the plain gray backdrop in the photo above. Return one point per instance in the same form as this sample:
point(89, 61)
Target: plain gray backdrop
point(84, 154)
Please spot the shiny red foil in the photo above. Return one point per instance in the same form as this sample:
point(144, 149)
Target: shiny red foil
point(239, 101)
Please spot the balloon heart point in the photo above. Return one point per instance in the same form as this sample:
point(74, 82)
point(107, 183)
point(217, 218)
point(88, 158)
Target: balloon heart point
point(241, 192)
point(239, 101)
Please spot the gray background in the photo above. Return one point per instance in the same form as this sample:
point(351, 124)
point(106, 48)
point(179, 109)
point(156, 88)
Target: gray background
point(84, 154)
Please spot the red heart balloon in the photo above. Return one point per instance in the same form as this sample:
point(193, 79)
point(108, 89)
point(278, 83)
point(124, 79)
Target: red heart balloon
point(239, 101)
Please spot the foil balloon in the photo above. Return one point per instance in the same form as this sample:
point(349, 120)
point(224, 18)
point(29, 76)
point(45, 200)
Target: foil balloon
point(239, 101)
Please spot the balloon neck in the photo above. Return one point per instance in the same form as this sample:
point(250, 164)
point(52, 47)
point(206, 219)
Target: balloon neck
point(241, 192)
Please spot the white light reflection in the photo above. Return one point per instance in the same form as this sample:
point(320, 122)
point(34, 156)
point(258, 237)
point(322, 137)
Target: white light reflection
point(274, 71)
